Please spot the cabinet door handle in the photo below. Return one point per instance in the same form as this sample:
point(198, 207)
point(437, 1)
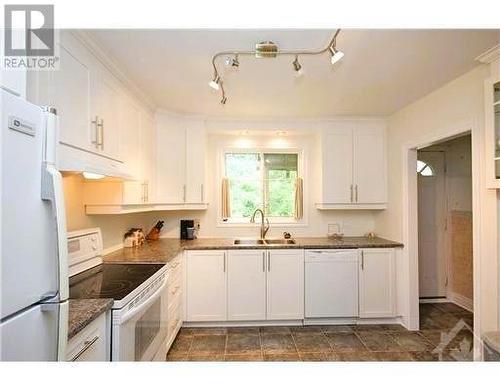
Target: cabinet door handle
point(184, 193)
point(351, 193)
point(264, 262)
point(202, 193)
point(86, 346)
point(356, 188)
point(268, 262)
point(146, 192)
point(100, 125)
point(224, 263)
point(362, 260)
point(95, 122)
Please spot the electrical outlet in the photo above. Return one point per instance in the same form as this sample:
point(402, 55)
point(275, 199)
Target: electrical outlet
point(336, 228)
point(197, 224)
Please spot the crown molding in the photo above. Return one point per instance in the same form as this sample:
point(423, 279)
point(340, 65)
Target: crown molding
point(112, 66)
point(489, 55)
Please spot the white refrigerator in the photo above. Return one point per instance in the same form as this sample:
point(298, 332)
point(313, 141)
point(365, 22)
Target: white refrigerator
point(34, 281)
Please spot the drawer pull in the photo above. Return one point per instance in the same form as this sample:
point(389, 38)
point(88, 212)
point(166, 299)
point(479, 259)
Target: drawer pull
point(174, 291)
point(86, 346)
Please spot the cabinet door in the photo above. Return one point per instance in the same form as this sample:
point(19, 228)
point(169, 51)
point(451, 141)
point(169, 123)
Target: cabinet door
point(206, 285)
point(130, 139)
point(195, 162)
point(246, 285)
point(171, 162)
point(377, 283)
point(109, 112)
point(369, 177)
point(71, 93)
point(148, 156)
point(285, 284)
point(337, 166)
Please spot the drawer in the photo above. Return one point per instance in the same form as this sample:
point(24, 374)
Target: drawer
point(90, 344)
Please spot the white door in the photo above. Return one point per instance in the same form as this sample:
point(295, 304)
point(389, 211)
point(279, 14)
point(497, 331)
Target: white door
point(285, 284)
point(206, 285)
point(171, 163)
point(377, 283)
point(337, 166)
point(331, 283)
point(369, 165)
point(431, 227)
point(246, 285)
point(195, 162)
point(109, 112)
point(72, 96)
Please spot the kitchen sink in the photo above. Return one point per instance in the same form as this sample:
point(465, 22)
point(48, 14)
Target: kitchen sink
point(262, 242)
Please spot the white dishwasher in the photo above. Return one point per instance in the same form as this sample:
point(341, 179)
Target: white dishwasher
point(331, 283)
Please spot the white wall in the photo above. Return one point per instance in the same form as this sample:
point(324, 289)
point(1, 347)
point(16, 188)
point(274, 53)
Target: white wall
point(436, 115)
point(112, 227)
point(354, 222)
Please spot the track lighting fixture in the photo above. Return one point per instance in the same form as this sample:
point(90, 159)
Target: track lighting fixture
point(215, 82)
point(269, 49)
point(297, 67)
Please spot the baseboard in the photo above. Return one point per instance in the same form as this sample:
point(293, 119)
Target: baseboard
point(434, 300)
point(249, 323)
point(462, 301)
point(351, 321)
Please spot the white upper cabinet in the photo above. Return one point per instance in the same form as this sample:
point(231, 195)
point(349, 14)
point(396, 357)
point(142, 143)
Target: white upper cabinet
point(377, 283)
point(130, 137)
point(369, 168)
point(195, 162)
point(354, 173)
point(148, 156)
point(171, 161)
point(180, 157)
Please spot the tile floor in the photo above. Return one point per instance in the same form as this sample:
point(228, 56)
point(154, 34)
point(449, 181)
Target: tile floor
point(331, 343)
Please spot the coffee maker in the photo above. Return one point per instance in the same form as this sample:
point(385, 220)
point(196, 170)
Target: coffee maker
point(188, 230)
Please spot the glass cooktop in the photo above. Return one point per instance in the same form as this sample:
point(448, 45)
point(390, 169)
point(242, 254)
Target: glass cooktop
point(110, 280)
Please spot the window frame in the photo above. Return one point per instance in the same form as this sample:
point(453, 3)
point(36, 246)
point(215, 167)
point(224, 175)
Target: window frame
point(273, 221)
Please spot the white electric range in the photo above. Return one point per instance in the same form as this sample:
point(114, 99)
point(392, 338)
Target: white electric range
point(140, 307)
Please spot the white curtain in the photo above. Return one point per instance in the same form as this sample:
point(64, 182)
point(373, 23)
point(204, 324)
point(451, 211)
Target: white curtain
point(299, 199)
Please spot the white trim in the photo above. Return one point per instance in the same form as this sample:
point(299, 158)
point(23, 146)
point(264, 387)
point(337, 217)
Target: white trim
point(410, 216)
point(332, 206)
point(276, 221)
point(434, 300)
point(462, 301)
point(489, 55)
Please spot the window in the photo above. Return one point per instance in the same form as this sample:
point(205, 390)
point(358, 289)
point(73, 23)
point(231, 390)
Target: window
point(424, 169)
point(261, 180)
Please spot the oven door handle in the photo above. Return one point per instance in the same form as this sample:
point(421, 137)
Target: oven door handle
point(149, 300)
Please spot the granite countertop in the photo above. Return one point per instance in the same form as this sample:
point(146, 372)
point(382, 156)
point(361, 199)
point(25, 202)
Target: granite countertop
point(164, 250)
point(492, 339)
point(84, 311)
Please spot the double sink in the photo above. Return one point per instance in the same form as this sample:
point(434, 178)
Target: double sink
point(263, 242)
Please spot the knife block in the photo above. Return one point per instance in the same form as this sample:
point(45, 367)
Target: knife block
point(154, 234)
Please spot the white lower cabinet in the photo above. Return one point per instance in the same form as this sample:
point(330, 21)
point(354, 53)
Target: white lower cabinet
point(206, 286)
point(246, 285)
point(92, 343)
point(285, 284)
point(377, 283)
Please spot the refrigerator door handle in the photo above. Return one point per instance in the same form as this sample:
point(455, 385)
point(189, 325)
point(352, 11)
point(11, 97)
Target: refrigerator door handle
point(52, 190)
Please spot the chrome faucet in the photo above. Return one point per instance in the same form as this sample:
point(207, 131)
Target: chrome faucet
point(263, 228)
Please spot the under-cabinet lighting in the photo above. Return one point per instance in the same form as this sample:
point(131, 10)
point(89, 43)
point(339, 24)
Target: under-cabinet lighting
point(92, 175)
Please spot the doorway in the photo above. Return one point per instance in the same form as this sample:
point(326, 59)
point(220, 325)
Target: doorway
point(445, 256)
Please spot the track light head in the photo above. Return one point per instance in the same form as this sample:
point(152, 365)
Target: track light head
point(215, 82)
point(336, 55)
point(233, 62)
point(223, 100)
point(296, 66)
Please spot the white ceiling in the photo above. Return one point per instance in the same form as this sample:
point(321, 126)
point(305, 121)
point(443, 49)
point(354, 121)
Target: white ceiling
point(382, 71)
